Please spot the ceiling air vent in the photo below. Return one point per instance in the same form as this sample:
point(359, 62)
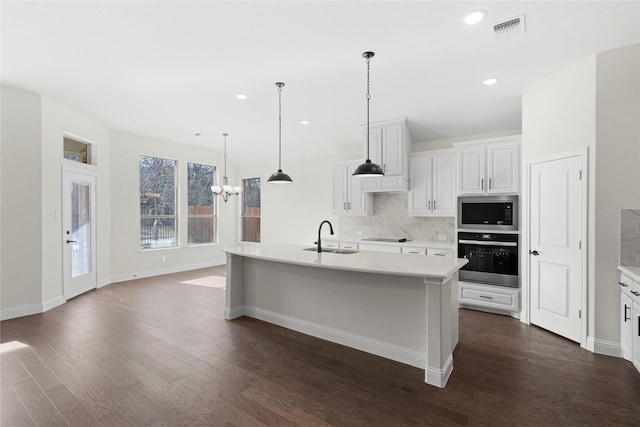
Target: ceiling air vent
point(509, 28)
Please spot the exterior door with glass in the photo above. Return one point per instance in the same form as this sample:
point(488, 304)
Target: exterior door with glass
point(79, 233)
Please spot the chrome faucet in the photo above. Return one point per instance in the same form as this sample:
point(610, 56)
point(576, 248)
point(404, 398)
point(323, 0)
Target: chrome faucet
point(319, 230)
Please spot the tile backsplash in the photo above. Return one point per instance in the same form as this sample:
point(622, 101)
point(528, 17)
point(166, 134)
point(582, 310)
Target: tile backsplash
point(630, 237)
point(390, 219)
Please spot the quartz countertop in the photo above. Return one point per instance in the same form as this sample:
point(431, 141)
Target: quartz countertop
point(440, 268)
point(632, 272)
point(412, 243)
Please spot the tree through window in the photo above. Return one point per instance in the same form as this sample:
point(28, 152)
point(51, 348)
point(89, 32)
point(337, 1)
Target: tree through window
point(158, 212)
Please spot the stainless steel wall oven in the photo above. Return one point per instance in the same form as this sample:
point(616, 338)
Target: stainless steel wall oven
point(493, 258)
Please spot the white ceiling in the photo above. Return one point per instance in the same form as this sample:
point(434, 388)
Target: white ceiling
point(169, 69)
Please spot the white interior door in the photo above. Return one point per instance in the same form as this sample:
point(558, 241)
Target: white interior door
point(555, 254)
point(79, 233)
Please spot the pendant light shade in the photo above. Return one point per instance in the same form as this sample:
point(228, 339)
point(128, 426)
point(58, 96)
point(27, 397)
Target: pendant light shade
point(368, 169)
point(279, 177)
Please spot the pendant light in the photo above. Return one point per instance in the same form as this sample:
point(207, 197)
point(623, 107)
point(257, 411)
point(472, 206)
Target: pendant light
point(368, 169)
point(226, 191)
point(279, 177)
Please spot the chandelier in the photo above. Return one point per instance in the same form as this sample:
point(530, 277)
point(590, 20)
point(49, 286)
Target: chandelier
point(226, 191)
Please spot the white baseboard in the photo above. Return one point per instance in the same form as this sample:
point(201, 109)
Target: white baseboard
point(233, 313)
point(379, 348)
point(52, 303)
point(439, 377)
point(167, 270)
point(29, 309)
point(608, 348)
point(20, 311)
point(37, 308)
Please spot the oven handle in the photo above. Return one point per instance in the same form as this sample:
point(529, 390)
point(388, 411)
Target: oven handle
point(487, 243)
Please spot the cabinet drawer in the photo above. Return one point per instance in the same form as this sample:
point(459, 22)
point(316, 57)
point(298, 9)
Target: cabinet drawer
point(488, 296)
point(414, 251)
point(630, 287)
point(440, 252)
point(380, 248)
point(348, 245)
point(326, 244)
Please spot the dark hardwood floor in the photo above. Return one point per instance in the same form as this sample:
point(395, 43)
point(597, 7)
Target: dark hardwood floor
point(157, 352)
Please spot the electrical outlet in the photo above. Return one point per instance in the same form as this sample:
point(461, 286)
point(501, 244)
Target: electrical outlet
point(164, 258)
point(442, 237)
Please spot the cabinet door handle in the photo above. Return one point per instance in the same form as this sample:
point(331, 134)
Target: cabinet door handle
point(636, 293)
point(434, 205)
point(489, 183)
point(485, 297)
point(624, 285)
point(72, 241)
point(482, 183)
point(429, 204)
point(625, 313)
point(348, 205)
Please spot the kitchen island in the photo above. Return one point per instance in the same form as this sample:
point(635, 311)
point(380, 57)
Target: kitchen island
point(401, 307)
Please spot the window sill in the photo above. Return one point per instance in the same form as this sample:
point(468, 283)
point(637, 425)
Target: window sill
point(156, 250)
point(202, 245)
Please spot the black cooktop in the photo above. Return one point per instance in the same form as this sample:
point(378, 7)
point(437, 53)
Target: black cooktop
point(382, 239)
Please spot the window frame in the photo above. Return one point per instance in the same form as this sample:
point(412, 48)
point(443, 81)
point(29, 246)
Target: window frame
point(175, 217)
point(243, 216)
point(214, 204)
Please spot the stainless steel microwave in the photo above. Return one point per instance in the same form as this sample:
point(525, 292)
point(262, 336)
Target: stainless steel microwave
point(488, 213)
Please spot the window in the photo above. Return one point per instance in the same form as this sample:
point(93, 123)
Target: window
point(251, 210)
point(158, 218)
point(75, 150)
point(201, 210)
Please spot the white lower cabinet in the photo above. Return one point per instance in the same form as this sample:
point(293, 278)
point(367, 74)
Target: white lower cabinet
point(348, 245)
point(395, 249)
point(630, 320)
point(635, 329)
point(411, 250)
point(626, 320)
point(487, 296)
point(440, 252)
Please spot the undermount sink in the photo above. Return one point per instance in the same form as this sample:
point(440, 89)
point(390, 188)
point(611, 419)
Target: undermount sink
point(333, 250)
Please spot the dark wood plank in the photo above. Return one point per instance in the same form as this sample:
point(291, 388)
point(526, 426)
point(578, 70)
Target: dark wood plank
point(157, 352)
point(12, 410)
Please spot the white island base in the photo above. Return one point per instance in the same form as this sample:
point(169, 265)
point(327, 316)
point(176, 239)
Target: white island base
point(399, 307)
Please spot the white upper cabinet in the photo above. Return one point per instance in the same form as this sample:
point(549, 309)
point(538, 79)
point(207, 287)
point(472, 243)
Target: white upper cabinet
point(490, 166)
point(432, 189)
point(389, 146)
point(347, 195)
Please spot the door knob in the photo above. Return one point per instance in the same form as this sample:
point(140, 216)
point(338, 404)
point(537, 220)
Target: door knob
point(534, 253)
point(72, 241)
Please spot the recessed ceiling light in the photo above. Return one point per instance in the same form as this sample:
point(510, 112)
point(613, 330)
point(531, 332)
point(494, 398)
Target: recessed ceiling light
point(197, 134)
point(304, 122)
point(241, 96)
point(490, 82)
point(474, 17)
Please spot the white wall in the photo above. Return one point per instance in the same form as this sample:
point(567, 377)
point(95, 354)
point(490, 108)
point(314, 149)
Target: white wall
point(58, 120)
point(292, 213)
point(32, 145)
point(127, 259)
point(584, 106)
point(21, 193)
point(617, 173)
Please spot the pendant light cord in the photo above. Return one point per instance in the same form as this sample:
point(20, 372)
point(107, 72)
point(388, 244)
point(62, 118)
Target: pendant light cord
point(368, 99)
point(225, 155)
point(280, 125)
